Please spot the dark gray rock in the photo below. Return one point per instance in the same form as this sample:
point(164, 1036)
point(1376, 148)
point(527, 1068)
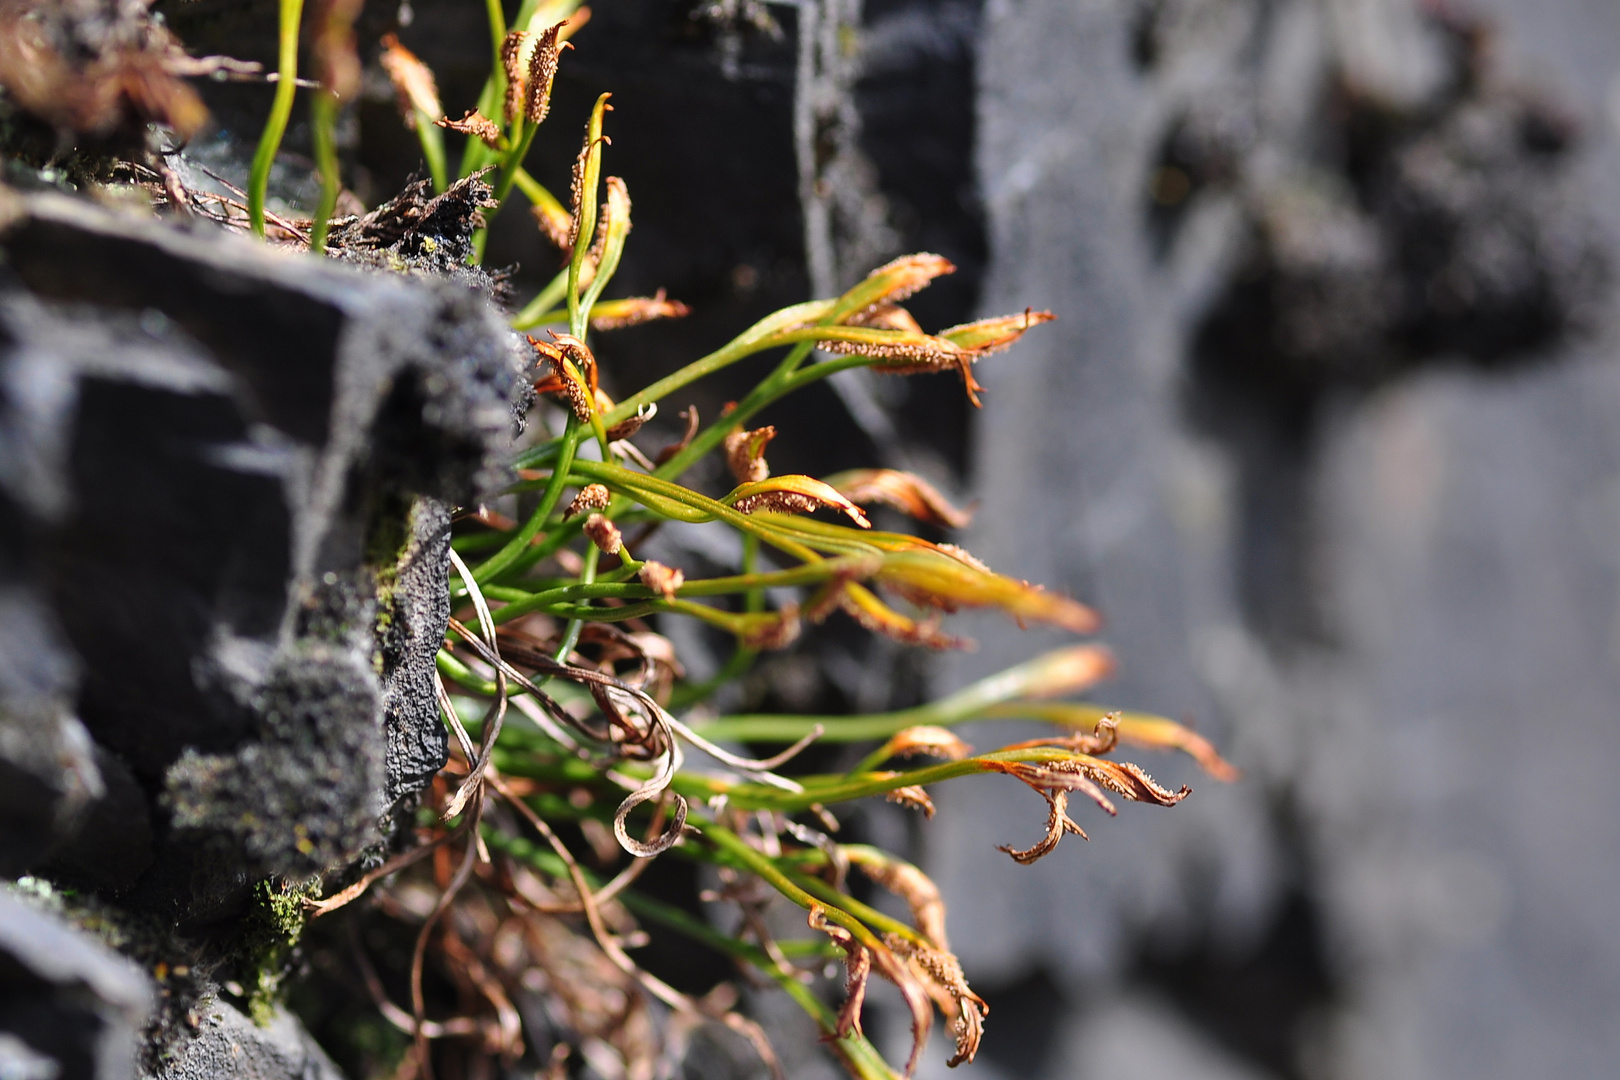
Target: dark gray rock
point(70, 1008)
point(228, 1044)
point(212, 453)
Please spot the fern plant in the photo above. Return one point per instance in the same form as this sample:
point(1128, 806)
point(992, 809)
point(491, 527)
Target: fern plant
point(554, 618)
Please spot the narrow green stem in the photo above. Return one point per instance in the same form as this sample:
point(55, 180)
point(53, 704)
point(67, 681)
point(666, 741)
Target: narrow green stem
point(280, 109)
point(495, 564)
point(537, 310)
point(323, 119)
point(431, 136)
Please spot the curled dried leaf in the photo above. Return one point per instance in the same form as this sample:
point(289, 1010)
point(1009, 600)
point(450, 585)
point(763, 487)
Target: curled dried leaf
point(631, 311)
point(912, 797)
point(792, 494)
point(590, 497)
point(906, 492)
point(475, 124)
point(566, 380)
point(414, 88)
point(542, 70)
point(604, 534)
point(661, 579)
point(1057, 824)
point(745, 454)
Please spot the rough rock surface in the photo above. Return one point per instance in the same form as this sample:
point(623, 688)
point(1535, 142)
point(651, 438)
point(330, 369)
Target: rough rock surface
point(224, 475)
point(70, 1008)
point(229, 1044)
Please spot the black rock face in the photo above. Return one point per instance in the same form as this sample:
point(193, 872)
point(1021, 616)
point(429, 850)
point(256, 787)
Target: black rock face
point(225, 545)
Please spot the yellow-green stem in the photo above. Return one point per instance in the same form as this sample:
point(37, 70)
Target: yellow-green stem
point(280, 109)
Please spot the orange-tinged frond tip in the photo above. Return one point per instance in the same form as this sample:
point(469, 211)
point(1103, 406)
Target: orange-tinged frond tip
point(1158, 733)
point(906, 492)
point(661, 579)
point(894, 281)
point(992, 335)
point(934, 578)
point(929, 740)
point(873, 614)
point(1065, 671)
point(413, 83)
point(617, 314)
point(475, 124)
point(792, 494)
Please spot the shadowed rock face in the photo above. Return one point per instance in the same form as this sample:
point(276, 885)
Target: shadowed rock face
point(223, 486)
point(69, 1006)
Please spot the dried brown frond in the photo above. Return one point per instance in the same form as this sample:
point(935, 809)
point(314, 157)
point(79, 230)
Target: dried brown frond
point(912, 797)
point(1057, 824)
point(516, 75)
point(906, 492)
point(941, 973)
point(661, 579)
point(110, 83)
point(745, 454)
point(604, 534)
point(617, 314)
point(414, 88)
point(542, 70)
point(475, 124)
point(590, 497)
